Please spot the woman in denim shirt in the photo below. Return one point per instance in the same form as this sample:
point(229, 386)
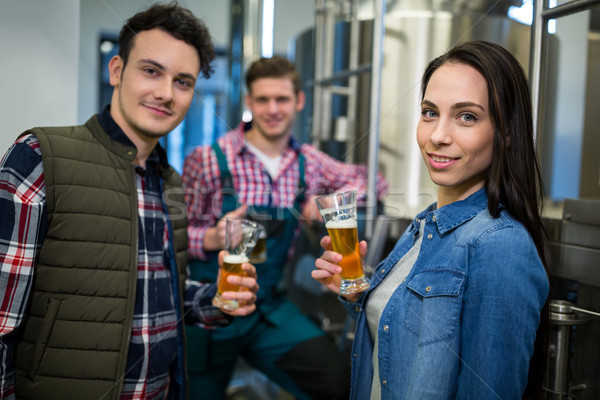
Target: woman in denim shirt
point(453, 311)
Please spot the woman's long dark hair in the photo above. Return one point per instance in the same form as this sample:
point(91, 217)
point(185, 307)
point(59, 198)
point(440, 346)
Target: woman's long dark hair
point(513, 179)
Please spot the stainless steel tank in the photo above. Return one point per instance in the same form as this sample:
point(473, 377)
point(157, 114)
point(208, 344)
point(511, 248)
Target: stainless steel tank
point(415, 32)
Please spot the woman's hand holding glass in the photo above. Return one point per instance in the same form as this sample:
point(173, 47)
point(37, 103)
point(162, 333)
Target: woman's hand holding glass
point(328, 269)
point(246, 296)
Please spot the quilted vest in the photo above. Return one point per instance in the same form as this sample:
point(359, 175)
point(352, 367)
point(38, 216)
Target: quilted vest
point(74, 340)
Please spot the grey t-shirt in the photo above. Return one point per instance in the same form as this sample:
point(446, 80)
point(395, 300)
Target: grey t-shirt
point(379, 298)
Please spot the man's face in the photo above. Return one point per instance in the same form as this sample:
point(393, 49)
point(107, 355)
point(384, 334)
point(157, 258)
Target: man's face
point(153, 92)
point(274, 105)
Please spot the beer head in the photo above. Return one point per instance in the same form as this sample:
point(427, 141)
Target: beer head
point(235, 258)
point(341, 224)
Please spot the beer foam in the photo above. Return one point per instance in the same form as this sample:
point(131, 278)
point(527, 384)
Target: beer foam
point(235, 258)
point(343, 224)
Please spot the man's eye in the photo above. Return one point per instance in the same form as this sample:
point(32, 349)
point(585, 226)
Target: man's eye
point(184, 83)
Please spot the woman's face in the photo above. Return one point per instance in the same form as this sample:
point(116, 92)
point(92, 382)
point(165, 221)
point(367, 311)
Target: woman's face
point(455, 132)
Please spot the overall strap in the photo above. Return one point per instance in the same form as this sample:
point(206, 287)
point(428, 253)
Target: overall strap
point(228, 191)
point(301, 182)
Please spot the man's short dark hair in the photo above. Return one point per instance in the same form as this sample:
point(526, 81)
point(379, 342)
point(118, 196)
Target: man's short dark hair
point(179, 22)
point(274, 67)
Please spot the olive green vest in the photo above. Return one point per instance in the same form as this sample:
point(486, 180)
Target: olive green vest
point(74, 340)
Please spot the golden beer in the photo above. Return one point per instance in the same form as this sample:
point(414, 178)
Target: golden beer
point(344, 239)
point(232, 265)
point(339, 214)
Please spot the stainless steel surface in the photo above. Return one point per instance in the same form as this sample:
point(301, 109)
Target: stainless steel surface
point(573, 255)
point(539, 61)
point(414, 32)
point(412, 39)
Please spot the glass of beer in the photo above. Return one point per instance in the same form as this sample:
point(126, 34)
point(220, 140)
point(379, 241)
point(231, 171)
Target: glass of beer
point(339, 214)
point(240, 238)
point(259, 254)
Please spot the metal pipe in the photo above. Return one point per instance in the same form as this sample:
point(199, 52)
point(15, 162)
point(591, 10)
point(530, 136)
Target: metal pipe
point(536, 69)
point(563, 317)
point(569, 8)
point(347, 73)
point(340, 90)
point(374, 115)
point(352, 80)
point(319, 40)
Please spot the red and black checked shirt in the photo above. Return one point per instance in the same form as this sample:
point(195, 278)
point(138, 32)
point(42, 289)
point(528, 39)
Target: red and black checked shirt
point(154, 339)
point(254, 185)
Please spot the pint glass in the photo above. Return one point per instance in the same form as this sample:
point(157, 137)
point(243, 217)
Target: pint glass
point(339, 214)
point(240, 238)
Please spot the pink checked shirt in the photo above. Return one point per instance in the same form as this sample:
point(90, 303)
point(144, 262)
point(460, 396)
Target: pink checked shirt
point(253, 184)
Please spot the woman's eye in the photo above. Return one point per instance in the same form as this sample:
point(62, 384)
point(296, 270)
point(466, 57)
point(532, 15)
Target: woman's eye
point(468, 117)
point(428, 113)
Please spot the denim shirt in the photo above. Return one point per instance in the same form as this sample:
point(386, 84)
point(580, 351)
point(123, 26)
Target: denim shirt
point(463, 323)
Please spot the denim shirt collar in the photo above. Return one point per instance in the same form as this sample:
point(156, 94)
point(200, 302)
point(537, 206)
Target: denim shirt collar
point(454, 214)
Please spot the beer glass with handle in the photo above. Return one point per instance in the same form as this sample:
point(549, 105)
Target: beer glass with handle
point(259, 254)
point(339, 214)
point(240, 238)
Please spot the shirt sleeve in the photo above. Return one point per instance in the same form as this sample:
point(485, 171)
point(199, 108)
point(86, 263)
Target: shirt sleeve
point(200, 183)
point(24, 222)
point(501, 312)
point(198, 306)
point(325, 174)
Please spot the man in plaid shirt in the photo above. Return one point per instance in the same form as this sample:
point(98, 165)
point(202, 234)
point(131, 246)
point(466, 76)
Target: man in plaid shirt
point(259, 170)
point(162, 52)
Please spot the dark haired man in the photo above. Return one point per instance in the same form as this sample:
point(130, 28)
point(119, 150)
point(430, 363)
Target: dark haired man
point(93, 288)
point(258, 169)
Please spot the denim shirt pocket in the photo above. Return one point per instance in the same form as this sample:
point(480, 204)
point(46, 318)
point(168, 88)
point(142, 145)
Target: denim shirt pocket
point(433, 305)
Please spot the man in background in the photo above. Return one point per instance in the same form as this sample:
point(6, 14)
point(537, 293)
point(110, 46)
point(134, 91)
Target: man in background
point(93, 238)
point(259, 170)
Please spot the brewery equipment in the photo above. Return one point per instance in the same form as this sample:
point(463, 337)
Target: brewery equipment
point(572, 371)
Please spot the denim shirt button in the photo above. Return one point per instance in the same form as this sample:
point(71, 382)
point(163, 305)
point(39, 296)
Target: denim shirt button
point(429, 236)
point(386, 328)
point(383, 270)
point(384, 382)
point(354, 355)
point(357, 308)
point(418, 219)
point(428, 289)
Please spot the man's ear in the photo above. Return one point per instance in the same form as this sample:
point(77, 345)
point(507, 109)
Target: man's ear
point(301, 100)
point(115, 69)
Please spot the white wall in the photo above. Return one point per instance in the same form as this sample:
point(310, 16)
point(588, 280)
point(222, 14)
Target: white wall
point(39, 45)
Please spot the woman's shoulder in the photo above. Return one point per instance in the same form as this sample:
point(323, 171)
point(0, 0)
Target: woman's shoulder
point(484, 227)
